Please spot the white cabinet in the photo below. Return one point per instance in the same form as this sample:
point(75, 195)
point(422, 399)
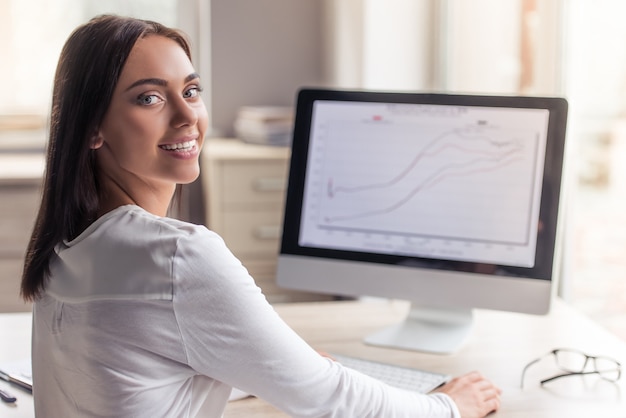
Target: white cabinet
point(244, 190)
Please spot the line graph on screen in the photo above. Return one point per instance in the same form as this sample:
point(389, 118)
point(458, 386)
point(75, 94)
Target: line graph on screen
point(414, 173)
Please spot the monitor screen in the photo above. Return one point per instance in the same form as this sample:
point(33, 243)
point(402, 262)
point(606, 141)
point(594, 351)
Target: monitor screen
point(449, 201)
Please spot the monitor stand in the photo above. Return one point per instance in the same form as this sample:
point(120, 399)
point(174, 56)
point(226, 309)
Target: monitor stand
point(440, 331)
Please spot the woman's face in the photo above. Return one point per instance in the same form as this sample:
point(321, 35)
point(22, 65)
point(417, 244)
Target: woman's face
point(152, 133)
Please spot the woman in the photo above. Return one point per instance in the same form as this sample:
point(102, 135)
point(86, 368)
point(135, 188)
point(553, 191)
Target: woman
point(137, 314)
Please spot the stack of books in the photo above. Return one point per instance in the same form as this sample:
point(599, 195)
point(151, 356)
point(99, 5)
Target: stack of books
point(267, 125)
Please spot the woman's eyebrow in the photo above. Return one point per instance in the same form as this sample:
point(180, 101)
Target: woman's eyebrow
point(153, 81)
point(191, 76)
point(160, 81)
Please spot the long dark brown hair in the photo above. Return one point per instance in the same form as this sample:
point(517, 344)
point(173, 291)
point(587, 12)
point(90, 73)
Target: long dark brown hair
point(88, 70)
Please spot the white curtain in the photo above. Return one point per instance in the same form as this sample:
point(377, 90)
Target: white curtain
point(488, 46)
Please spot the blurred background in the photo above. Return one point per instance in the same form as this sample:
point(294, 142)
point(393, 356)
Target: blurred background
point(258, 53)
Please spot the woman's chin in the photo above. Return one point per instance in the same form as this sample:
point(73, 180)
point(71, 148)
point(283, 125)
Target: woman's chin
point(187, 178)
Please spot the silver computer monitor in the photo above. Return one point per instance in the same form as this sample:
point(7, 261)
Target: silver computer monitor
point(448, 201)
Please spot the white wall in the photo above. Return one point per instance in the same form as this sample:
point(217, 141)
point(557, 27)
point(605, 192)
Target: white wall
point(261, 53)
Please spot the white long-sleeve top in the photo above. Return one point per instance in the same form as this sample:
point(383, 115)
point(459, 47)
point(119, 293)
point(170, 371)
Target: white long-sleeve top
point(146, 316)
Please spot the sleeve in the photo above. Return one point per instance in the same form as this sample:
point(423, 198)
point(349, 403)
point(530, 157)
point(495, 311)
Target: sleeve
point(232, 334)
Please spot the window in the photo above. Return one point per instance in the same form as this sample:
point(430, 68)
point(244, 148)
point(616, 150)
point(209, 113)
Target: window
point(33, 34)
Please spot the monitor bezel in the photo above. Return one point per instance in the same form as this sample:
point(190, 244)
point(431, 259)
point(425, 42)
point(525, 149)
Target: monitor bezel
point(550, 196)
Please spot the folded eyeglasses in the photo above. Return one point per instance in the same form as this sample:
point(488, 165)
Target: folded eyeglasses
point(574, 363)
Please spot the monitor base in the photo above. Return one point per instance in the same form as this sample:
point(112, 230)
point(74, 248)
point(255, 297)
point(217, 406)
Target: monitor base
point(426, 329)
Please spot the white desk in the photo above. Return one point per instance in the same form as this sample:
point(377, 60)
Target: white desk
point(15, 330)
point(500, 346)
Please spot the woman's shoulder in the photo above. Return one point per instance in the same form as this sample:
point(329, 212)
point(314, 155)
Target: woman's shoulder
point(126, 253)
point(135, 218)
point(131, 226)
point(130, 253)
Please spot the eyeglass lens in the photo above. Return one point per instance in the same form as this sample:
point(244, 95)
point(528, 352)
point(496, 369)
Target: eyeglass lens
point(607, 368)
point(570, 360)
point(575, 362)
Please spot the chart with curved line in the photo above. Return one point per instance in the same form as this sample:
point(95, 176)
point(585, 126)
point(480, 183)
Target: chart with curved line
point(455, 175)
point(404, 184)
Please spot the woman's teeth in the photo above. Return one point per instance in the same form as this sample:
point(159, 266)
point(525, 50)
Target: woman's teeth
point(182, 146)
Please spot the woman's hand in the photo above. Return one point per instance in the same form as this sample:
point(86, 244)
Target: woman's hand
point(474, 395)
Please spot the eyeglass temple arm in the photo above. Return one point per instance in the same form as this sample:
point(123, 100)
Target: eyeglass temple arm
point(526, 368)
point(558, 376)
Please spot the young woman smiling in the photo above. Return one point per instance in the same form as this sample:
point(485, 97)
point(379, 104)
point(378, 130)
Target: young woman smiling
point(139, 314)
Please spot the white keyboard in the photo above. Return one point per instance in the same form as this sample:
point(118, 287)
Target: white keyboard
point(398, 376)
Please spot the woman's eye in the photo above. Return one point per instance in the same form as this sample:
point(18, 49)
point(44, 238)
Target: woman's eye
point(148, 99)
point(192, 92)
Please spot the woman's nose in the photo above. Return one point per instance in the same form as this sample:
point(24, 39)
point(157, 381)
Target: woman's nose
point(184, 113)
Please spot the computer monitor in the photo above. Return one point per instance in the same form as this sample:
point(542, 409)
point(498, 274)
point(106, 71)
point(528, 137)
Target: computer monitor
point(448, 201)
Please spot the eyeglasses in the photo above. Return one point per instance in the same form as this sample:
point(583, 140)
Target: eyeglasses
point(574, 362)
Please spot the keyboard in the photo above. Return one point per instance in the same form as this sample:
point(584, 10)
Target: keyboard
point(401, 377)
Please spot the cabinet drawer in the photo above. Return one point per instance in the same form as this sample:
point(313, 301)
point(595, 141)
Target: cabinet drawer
point(256, 182)
point(252, 232)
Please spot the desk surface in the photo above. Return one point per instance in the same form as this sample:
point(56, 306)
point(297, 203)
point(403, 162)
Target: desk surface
point(500, 345)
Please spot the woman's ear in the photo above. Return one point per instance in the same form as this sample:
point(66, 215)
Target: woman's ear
point(96, 140)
